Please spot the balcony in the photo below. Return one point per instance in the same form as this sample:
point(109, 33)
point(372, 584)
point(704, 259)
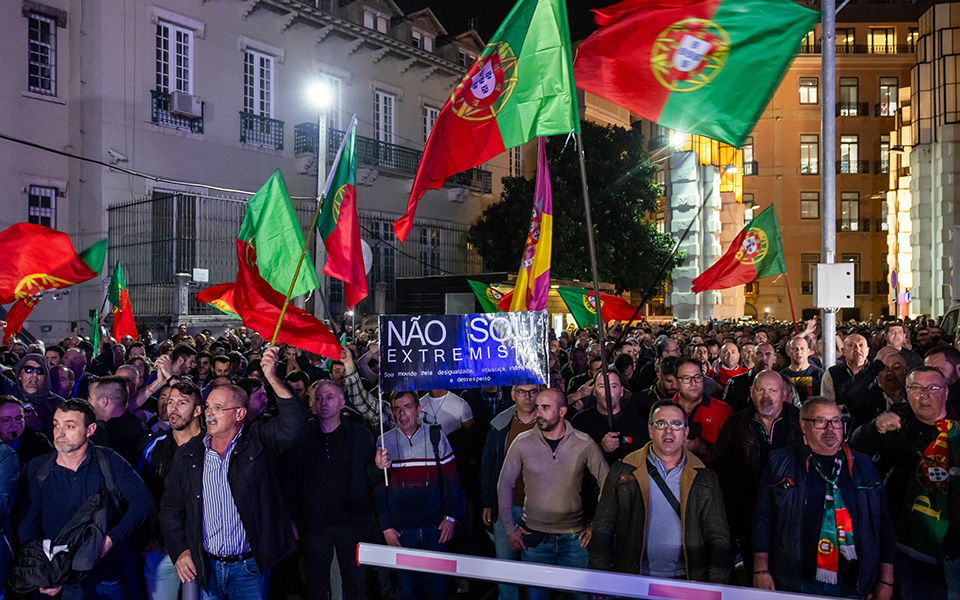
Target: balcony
point(809, 168)
point(160, 114)
point(848, 167)
point(853, 109)
point(750, 168)
point(881, 166)
point(261, 131)
point(853, 225)
point(885, 109)
point(862, 49)
point(861, 288)
point(806, 288)
point(383, 155)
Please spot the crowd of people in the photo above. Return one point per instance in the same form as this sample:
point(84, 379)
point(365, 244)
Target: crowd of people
point(730, 453)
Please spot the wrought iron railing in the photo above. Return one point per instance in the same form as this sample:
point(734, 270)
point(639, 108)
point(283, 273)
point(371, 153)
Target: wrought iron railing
point(853, 109)
point(853, 225)
point(853, 166)
point(885, 109)
point(261, 131)
point(160, 114)
point(882, 166)
point(751, 167)
point(862, 49)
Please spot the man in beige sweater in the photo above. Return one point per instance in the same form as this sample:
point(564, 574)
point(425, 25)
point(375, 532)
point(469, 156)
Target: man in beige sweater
point(551, 459)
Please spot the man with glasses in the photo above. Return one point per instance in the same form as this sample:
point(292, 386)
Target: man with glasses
point(821, 525)
point(504, 429)
point(706, 415)
point(917, 445)
point(641, 527)
point(32, 386)
point(222, 514)
point(27, 444)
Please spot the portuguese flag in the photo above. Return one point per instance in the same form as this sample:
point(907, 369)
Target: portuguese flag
point(339, 225)
point(39, 259)
point(120, 299)
point(487, 295)
point(221, 297)
point(756, 252)
point(583, 307)
point(17, 315)
point(520, 87)
point(271, 220)
point(697, 66)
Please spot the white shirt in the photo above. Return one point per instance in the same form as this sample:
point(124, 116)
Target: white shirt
point(449, 410)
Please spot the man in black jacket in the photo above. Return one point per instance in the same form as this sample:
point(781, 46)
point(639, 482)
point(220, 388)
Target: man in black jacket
point(117, 428)
point(330, 472)
point(222, 514)
point(744, 446)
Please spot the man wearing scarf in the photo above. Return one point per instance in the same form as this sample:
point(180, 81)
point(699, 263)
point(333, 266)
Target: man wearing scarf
point(821, 525)
point(32, 386)
point(917, 444)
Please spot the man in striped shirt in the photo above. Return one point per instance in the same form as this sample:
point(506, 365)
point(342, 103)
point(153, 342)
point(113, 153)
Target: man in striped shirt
point(423, 500)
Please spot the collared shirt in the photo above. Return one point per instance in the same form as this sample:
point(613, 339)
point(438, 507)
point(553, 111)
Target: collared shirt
point(664, 533)
point(223, 532)
point(367, 404)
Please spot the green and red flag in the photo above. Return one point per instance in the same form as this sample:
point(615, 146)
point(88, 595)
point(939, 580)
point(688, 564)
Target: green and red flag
point(697, 66)
point(487, 295)
point(756, 252)
point(271, 226)
point(339, 224)
point(38, 259)
point(520, 87)
point(17, 314)
point(220, 297)
point(583, 306)
point(119, 297)
point(95, 331)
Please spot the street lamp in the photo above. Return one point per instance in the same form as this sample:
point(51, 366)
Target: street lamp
point(353, 326)
point(677, 139)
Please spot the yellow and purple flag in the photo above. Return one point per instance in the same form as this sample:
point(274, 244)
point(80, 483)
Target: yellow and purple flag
point(533, 279)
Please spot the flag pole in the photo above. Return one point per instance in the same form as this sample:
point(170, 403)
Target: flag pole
point(793, 315)
point(296, 273)
point(596, 281)
point(386, 480)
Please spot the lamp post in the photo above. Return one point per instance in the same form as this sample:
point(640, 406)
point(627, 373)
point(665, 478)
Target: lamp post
point(318, 94)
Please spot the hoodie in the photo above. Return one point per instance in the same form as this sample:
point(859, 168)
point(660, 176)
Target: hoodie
point(43, 400)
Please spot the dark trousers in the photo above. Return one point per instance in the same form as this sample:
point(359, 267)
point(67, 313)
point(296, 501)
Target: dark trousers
point(417, 586)
point(317, 549)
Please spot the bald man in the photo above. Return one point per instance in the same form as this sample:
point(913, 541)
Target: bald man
point(848, 382)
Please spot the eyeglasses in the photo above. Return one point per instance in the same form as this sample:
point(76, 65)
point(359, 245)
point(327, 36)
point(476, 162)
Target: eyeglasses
point(218, 410)
point(527, 393)
point(821, 423)
point(919, 389)
point(31, 370)
point(691, 378)
point(673, 425)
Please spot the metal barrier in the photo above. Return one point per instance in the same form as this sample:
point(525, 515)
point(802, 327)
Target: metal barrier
point(556, 578)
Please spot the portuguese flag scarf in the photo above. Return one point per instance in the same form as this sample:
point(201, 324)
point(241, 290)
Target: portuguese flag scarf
point(836, 530)
point(923, 519)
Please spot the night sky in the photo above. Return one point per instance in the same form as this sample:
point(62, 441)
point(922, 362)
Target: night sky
point(454, 14)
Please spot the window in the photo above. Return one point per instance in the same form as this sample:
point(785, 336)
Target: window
point(881, 40)
point(849, 211)
point(849, 154)
point(422, 40)
point(884, 224)
point(809, 42)
point(466, 59)
point(430, 115)
point(515, 168)
point(809, 205)
point(849, 96)
point(374, 20)
point(884, 165)
point(430, 251)
point(174, 58)
point(844, 39)
point(42, 206)
point(749, 204)
point(258, 84)
point(809, 90)
point(334, 109)
point(809, 154)
point(808, 265)
point(383, 112)
point(749, 164)
point(42, 55)
point(888, 96)
point(912, 36)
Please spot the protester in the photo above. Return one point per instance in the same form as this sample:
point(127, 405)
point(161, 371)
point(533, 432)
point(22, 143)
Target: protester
point(947, 360)
point(706, 415)
point(629, 431)
point(805, 377)
point(446, 409)
point(32, 386)
point(116, 427)
point(728, 365)
point(641, 527)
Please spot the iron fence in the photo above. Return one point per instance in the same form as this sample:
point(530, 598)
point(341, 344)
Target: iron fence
point(160, 114)
point(261, 131)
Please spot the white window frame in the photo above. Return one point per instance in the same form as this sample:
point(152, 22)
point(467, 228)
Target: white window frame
point(891, 85)
point(515, 167)
point(256, 85)
point(36, 214)
point(384, 116)
point(375, 20)
point(805, 199)
point(46, 50)
point(430, 114)
point(810, 161)
point(170, 31)
point(806, 91)
point(466, 58)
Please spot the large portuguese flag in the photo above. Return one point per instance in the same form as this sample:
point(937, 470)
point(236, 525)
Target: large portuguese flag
point(339, 225)
point(756, 252)
point(487, 296)
point(520, 87)
point(583, 306)
point(37, 259)
point(122, 312)
point(697, 66)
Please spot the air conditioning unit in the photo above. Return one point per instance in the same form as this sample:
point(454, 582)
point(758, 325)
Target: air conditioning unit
point(185, 105)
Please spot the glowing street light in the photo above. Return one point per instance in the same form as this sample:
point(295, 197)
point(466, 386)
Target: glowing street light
point(677, 139)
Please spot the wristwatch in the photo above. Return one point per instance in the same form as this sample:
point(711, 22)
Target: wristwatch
point(451, 519)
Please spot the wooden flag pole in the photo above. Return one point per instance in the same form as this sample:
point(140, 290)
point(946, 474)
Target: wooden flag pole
point(596, 282)
point(793, 315)
point(386, 480)
point(293, 282)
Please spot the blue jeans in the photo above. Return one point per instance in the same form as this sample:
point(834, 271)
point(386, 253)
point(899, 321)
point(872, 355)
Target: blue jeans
point(561, 549)
point(162, 580)
point(241, 580)
point(109, 589)
point(416, 586)
point(505, 552)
